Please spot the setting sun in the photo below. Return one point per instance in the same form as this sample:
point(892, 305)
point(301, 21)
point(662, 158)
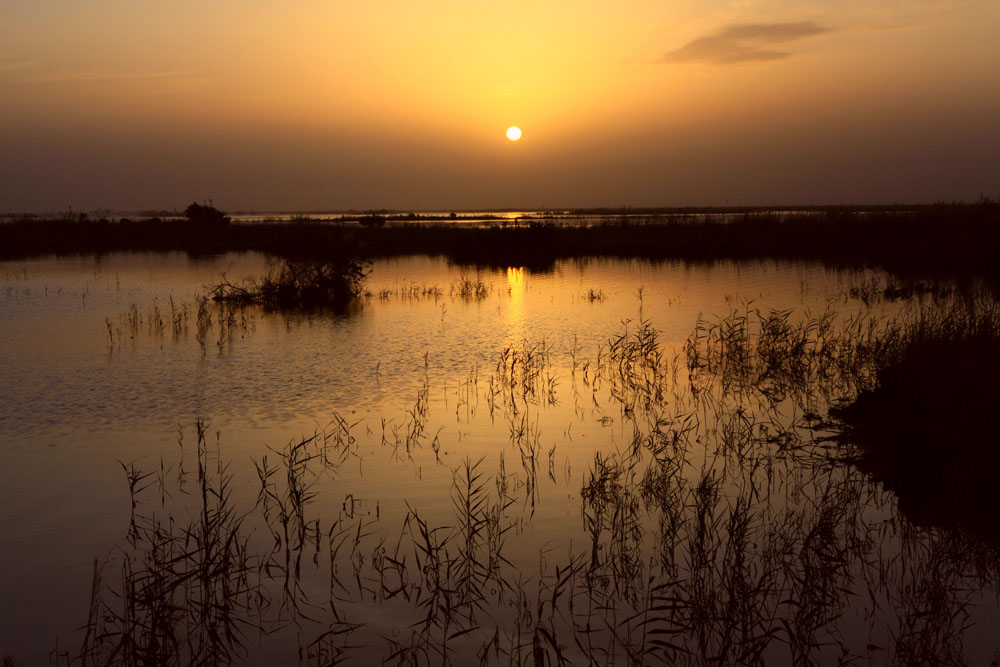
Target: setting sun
point(514, 133)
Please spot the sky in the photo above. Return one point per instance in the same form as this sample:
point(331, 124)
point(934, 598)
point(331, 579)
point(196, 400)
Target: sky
point(330, 105)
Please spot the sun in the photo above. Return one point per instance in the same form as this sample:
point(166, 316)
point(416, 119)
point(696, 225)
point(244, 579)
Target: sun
point(513, 133)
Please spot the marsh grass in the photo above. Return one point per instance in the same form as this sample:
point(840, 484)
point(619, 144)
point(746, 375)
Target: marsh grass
point(177, 594)
point(471, 288)
point(225, 321)
point(716, 578)
point(523, 376)
point(872, 288)
point(772, 354)
point(635, 366)
point(406, 291)
point(723, 530)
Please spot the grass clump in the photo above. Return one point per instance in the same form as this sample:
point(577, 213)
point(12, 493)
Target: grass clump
point(299, 285)
point(176, 593)
point(471, 288)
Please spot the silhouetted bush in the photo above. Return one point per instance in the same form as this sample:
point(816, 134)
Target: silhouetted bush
point(299, 285)
point(205, 214)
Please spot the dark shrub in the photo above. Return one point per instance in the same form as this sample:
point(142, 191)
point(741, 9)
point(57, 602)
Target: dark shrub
point(300, 285)
point(205, 214)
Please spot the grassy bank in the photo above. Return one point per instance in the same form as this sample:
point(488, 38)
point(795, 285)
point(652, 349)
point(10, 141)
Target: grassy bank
point(954, 239)
point(913, 396)
point(926, 428)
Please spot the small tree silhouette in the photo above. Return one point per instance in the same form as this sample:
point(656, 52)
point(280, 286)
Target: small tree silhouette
point(205, 214)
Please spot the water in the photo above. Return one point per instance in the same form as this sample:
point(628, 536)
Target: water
point(63, 376)
point(519, 383)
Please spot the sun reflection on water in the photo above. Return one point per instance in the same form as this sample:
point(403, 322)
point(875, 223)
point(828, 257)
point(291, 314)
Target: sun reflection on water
point(515, 305)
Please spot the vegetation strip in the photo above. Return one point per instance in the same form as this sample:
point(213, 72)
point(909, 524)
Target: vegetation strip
point(952, 239)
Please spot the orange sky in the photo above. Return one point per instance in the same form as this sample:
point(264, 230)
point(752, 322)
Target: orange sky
point(259, 104)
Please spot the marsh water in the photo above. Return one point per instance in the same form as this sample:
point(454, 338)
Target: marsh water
point(470, 464)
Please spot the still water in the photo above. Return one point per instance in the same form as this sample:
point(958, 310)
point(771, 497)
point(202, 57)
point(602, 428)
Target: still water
point(507, 465)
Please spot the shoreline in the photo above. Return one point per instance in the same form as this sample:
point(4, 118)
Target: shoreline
point(947, 240)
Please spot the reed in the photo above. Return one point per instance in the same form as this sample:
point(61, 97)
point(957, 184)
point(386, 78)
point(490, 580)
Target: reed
point(471, 288)
point(180, 595)
point(722, 528)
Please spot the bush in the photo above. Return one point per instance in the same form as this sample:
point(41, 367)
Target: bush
point(205, 214)
point(299, 285)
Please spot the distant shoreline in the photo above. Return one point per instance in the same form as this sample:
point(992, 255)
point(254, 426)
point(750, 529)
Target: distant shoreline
point(473, 214)
point(926, 240)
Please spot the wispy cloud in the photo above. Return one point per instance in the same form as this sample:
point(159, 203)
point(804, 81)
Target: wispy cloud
point(742, 43)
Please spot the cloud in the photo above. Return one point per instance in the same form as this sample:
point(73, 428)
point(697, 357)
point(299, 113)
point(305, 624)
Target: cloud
point(742, 43)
